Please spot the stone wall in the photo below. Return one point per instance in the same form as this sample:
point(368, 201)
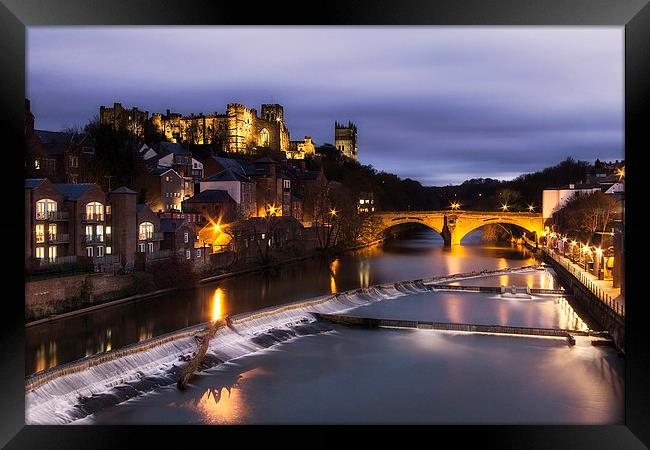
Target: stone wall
point(53, 290)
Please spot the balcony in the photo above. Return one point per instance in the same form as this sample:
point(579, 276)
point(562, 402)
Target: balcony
point(151, 236)
point(59, 238)
point(89, 218)
point(93, 239)
point(52, 215)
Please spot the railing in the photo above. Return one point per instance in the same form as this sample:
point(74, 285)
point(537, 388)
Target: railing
point(52, 215)
point(151, 236)
point(58, 260)
point(94, 217)
point(92, 239)
point(59, 238)
point(581, 276)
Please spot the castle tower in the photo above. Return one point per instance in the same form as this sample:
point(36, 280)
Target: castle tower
point(345, 139)
point(273, 113)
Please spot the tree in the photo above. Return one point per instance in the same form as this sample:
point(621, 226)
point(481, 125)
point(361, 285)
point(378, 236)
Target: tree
point(585, 214)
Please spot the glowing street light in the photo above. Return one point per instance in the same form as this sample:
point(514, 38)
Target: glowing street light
point(333, 212)
point(621, 173)
point(504, 206)
point(531, 208)
point(455, 205)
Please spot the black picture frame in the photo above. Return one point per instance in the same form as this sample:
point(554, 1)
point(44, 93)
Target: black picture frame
point(634, 15)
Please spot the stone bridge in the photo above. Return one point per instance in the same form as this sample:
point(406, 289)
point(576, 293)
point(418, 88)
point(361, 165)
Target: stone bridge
point(454, 225)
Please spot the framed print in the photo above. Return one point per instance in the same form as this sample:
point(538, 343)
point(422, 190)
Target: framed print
point(413, 214)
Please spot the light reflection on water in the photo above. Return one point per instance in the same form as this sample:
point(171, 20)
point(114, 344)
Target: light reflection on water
point(417, 254)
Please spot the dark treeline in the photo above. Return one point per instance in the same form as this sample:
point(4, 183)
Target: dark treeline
point(116, 155)
point(479, 194)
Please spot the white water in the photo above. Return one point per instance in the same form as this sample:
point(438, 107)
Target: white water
point(56, 401)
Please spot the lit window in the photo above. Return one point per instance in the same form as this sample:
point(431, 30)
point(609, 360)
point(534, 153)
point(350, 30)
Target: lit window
point(186, 237)
point(37, 164)
point(108, 229)
point(45, 208)
point(188, 254)
point(109, 250)
point(51, 253)
point(146, 231)
point(40, 234)
point(89, 252)
point(100, 233)
point(141, 247)
point(40, 252)
point(150, 247)
point(94, 211)
point(51, 231)
point(108, 209)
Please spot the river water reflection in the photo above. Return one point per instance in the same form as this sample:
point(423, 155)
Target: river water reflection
point(416, 254)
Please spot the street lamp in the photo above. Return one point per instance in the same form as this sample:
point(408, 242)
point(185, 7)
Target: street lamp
point(455, 205)
point(531, 208)
point(504, 207)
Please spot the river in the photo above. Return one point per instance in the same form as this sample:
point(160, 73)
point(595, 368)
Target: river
point(282, 368)
point(417, 254)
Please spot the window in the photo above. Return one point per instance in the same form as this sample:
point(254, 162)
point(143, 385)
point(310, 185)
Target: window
point(94, 211)
point(37, 164)
point(74, 161)
point(198, 252)
point(109, 250)
point(45, 208)
point(89, 233)
point(264, 138)
point(150, 244)
point(51, 253)
point(108, 209)
point(188, 254)
point(146, 231)
point(141, 247)
point(51, 231)
point(100, 251)
point(287, 184)
point(186, 237)
point(166, 178)
point(40, 252)
point(88, 150)
point(100, 233)
point(40, 234)
point(89, 252)
point(108, 230)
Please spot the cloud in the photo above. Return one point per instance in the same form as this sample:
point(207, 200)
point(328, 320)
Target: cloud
point(437, 104)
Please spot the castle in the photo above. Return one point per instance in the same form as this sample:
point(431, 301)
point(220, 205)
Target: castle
point(239, 130)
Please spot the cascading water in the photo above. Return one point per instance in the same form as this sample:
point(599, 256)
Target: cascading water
point(73, 391)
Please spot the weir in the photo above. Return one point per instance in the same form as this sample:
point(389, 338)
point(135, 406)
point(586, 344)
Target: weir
point(67, 393)
point(369, 322)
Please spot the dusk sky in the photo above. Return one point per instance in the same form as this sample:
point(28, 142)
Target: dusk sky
point(436, 104)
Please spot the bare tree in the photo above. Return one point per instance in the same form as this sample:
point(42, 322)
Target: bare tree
point(585, 214)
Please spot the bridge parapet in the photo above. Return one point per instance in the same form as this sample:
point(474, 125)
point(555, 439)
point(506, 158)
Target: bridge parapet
point(454, 225)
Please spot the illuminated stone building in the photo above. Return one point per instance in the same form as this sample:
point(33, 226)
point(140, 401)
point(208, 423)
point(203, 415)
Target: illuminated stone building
point(120, 118)
point(345, 139)
point(239, 130)
point(300, 149)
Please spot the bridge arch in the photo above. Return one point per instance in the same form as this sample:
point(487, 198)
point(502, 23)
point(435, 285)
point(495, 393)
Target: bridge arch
point(454, 225)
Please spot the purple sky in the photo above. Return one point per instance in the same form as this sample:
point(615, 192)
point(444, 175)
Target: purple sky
point(437, 104)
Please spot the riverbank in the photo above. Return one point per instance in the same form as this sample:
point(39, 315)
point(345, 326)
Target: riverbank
point(66, 311)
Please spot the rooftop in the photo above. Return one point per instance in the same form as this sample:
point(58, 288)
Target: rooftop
point(211, 196)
